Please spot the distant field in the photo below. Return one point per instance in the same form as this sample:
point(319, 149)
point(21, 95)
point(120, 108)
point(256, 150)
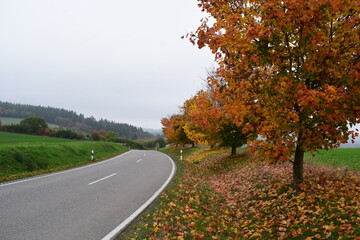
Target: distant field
point(23, 155)
point(339, 157)
point(9, 121)
point(12, 138)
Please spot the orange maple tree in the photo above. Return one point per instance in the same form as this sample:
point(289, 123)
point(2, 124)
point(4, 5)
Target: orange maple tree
point(206, 122)
point(173, 129)
point(292, 67)
point(202, 119)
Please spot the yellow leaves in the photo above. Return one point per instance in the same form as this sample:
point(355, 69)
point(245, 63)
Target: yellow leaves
point(255, 235)
point(156, 229)
point(256, 202)
point(299, 208)
point(330, 227)
point(201, 155)
point(317, 236)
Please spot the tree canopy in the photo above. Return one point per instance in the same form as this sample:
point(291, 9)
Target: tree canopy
point(33, 125)
point(290, 67)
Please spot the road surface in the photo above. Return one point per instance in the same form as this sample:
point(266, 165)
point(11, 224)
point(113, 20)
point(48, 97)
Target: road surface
point(91, 202)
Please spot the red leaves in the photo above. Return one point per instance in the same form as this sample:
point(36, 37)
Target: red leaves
point(292, 64)
point(320, 210)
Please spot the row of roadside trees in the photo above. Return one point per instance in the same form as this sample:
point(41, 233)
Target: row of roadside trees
point(287, 82)
point(202, 121)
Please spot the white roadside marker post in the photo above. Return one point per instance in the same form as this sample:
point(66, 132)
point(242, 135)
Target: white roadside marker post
point(92, 155)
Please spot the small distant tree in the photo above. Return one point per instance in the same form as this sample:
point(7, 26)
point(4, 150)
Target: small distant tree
point(109, 136)
point(33, 125)
point(64, 133)
point(134, 137)
point(232, 136)
point(95, 136)
point(159, 142)
point(207, 124)
point(98, 135)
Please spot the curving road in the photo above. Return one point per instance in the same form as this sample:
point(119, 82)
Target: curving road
point(92, 202)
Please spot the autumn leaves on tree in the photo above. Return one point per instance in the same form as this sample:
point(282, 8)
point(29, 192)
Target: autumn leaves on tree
point(287, 71)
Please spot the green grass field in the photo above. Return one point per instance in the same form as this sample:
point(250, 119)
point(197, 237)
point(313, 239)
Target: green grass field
point(339, 158)
point(13, 138)
point(23, 155)
point(9, 121)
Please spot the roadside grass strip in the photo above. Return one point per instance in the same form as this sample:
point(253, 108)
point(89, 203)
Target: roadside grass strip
point(219, 197)
point(23, 156)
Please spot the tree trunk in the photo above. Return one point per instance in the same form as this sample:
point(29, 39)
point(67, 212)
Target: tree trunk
point(233, 150)
point(298, 167)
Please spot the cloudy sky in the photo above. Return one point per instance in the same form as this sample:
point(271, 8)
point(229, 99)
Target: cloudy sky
point(120, 60)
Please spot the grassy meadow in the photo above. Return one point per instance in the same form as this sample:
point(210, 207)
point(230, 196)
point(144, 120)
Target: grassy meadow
point(9, 121)
point(24, 155)
point(214, 196)
point(340, 158)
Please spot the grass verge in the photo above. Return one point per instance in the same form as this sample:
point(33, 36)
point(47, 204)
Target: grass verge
point(23, 156)
point(214, 196)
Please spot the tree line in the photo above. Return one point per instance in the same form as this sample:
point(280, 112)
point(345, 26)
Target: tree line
point(38, 126)
point(287, 81)
point(72, 120)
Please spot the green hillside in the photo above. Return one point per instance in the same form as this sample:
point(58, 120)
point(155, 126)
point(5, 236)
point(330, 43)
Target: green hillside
point(25, 155)
point(69, 119)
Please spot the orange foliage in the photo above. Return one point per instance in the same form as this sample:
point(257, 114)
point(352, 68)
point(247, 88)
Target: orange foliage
point(203, 117)
point(292, 67)
point(174, 129)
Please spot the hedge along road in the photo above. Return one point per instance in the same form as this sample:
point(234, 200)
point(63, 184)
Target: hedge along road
point(92, 202)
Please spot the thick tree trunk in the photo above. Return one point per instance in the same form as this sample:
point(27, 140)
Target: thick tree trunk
point(233, 150)
point(298, 167)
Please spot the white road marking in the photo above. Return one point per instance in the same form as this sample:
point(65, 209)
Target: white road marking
point(127, 221)
point(102, 179)
point(138, 160)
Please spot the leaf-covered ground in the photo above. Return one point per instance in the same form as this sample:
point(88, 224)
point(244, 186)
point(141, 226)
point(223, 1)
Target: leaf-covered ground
point(219, 197)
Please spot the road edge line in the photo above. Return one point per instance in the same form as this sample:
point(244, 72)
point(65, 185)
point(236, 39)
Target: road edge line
point(114, 233)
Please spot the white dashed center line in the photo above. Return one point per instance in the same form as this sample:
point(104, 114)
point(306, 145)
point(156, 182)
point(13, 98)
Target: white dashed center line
point(102, 179)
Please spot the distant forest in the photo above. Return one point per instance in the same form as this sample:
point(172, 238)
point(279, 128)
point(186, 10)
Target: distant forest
point(72, 120)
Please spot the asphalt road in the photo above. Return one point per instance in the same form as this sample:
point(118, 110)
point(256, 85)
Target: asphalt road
point(91, 202)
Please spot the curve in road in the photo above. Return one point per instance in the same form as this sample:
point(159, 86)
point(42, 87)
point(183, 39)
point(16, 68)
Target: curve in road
point(84, 203)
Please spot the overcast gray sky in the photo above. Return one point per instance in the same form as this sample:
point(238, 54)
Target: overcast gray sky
point(120, 60)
